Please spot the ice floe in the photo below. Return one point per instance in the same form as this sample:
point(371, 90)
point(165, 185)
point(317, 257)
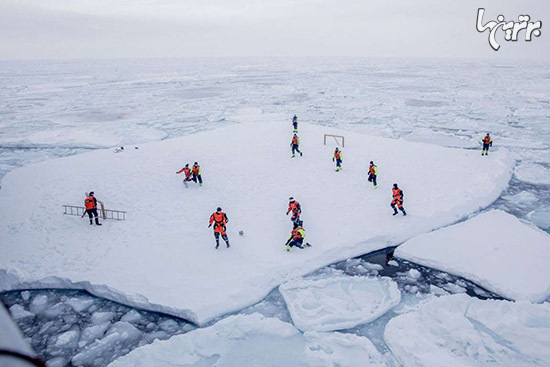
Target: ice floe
point(162, 257)
point(494, 249)
point(458, 330)
point(337, 303)
point(256, 340)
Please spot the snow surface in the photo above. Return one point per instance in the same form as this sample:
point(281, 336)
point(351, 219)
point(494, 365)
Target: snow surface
point(494, 250)
point(337, 303)
point(533, 173)
point(162, 257)
point(256, 340)
point(92, 136)
point(458, 330)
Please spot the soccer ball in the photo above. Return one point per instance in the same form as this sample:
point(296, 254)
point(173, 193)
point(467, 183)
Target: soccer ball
point(241, 233)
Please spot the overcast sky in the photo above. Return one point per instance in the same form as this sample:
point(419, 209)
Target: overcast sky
point(38, 29)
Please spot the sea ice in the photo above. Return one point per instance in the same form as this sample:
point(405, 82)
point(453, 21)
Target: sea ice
point(19, 312)
point(459, 330)
point(533, 173)
point(541, 217)
point(162, 257)
point(256, 340)
point(494, 250)
point(337, 303)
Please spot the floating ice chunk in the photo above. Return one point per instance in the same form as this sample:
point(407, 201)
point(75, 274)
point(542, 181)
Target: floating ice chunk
point(57, 362)
point(169, 325)
point(494, 250)
point(80, 304)
point(54, 311)
point(541, 217)
point(67, 340)
point(459, 330)
point(437, 291)
point(132, 316)
point(101, 317)
point(414, 274)
point(371, 266)
point(39, 304)
point(532, 173)
point(18, 312)
point(255, 340)
point(340, 302)
point(116, 342)
point(25, 295)
point(91, 333)
point(454, 288)
point(393, 263)
point(522, 198)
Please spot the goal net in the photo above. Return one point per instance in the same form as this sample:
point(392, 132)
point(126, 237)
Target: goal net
point(338, 139)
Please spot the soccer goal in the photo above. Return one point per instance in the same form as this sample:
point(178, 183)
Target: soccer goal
point(337, 139)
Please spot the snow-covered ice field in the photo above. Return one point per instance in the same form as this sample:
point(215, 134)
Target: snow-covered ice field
point(243, 107)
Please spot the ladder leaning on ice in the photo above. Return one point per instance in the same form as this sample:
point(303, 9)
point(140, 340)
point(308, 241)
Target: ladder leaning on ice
point(106, 213)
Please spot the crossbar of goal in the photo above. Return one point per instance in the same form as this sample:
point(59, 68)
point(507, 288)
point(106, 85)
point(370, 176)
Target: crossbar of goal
point(335, 139)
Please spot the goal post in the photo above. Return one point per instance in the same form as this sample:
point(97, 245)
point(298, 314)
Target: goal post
point(337, 139)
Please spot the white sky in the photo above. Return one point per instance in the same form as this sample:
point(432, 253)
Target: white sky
point(37, 29)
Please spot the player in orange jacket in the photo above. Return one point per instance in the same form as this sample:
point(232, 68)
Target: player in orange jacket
point(196, 171)
point(187, 172)
point(487, 142)
point(220, 220)
point(91, 208)
point(337, 156)
point(397, 200)
point(296, 209)
point(295, 144)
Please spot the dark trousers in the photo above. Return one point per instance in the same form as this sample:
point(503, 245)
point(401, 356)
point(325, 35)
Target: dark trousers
point(297, 242)
point(197, 177)
point(295, 149)
point(485, 149)
point(372, 178)
point(339, 163)
point(91, 214)
point(295, 125)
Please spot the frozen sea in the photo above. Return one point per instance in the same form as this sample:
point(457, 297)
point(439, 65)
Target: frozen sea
point(50, 109)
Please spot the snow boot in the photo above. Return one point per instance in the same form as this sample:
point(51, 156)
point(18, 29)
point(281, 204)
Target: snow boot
point(301, 154)
point(227, 243)
point(394, 212)
point(288, 247)
point(91, 222)
point(403, 210)
point(97, 222)
point(306, 245)
point(217, 244)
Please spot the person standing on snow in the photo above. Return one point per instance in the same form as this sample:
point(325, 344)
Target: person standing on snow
point(297, 236)
point(373, 172)
point(294, 144)
point(295, 208)
point(397, 199)
point(196, 171)
point(487, 142)
point(187, 172)
point(337, 156)
point(91, 208)
point(220, 220)
point(295, 124)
